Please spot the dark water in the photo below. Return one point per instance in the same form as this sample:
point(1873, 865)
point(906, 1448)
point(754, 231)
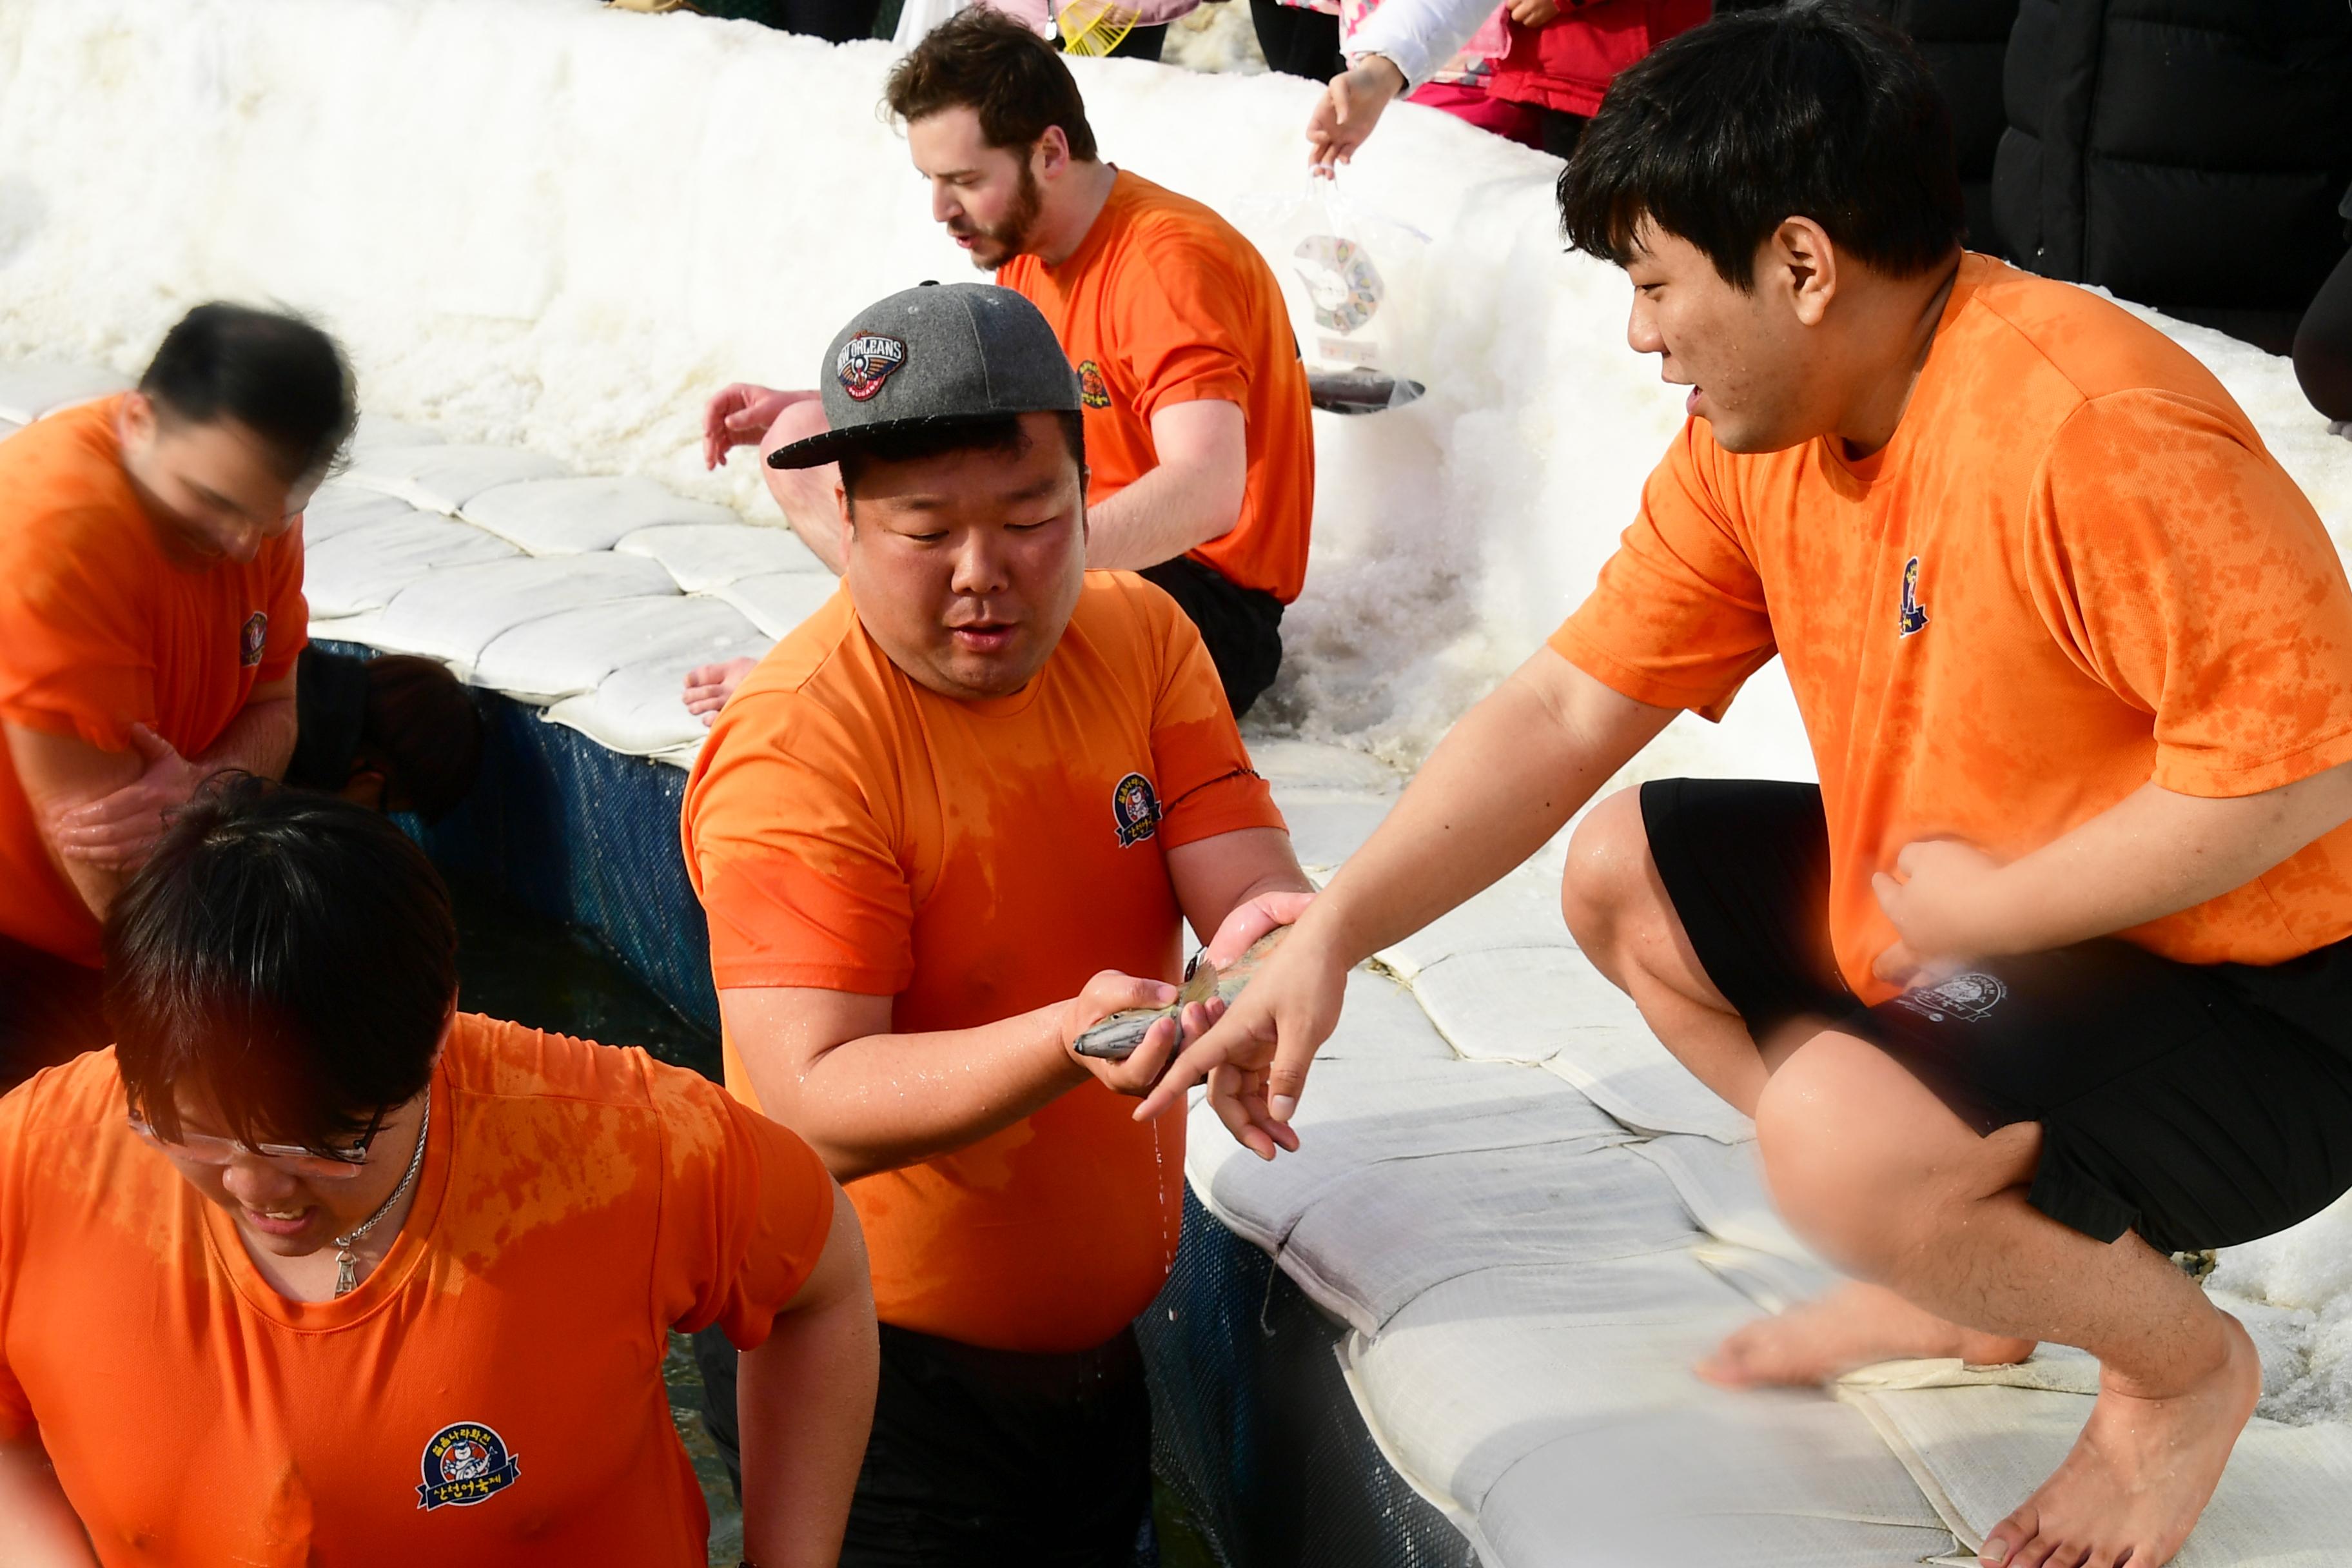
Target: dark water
point(514, 963)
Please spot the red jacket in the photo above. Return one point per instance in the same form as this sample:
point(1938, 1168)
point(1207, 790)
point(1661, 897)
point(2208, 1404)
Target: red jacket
point(1568, 63)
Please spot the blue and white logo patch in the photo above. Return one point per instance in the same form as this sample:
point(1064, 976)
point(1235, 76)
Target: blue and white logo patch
point(466, 1463)
point(1915, 613)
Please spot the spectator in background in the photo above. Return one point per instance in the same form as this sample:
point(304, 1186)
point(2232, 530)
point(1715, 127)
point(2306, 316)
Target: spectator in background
point(1559, 60)
point(836, 21)
point(150, 612)
point(1115, 30)
point(2323, 344)
point(1459, 86)
point(392, 734)
point(1298, 38)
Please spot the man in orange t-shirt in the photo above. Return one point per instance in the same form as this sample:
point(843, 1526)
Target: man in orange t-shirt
point(1198, 438)
point(151, 611)
point(309, 1268)
point(954, 820)
point(2051, 975)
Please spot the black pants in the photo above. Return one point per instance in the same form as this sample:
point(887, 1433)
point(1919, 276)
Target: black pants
point(2322, 345)
point(836, 21)
point(987, 1456)
point(1296, 42)
point(1561, 132)
point(49, 1012)
point(1241, 626)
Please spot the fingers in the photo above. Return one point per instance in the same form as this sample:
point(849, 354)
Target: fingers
point(1228, 1090)
point(1286, 1079)
point(151, 745)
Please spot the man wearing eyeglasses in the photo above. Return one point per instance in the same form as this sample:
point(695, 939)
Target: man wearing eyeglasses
point(310, 1268)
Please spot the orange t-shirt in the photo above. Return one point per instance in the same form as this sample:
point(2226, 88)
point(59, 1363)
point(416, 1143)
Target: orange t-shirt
point(850, 830)
point(1164, 302)
point(2074, 570)
point(491, 1395)
point(99, 629)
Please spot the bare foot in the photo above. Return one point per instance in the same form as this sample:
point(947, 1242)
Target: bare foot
point(2140, 1473)
point(1852, 1326)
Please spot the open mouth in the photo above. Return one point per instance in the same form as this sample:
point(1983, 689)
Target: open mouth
point(983, 637)
point(277, 1222)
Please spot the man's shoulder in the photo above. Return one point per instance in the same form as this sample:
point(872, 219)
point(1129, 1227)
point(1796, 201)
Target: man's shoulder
point(814, 667)
point(1153, 221)
point(492, 1059)
point(65, 504)
point(1127, 616)
point(76, 1097)
point(2039, 341)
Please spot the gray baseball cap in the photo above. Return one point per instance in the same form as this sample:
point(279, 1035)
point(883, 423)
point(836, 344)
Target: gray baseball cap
point(935, 355)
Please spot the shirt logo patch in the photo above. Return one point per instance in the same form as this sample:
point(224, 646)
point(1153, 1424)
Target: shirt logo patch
point(253, 638)
point(1968, 997)
point(1915, 613)
point(866, 362)
point(1135, 809)
point(1093, 390)
point(464, 1464)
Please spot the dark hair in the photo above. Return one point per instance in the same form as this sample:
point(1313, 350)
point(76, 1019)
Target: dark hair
point(289, 956)
point(937, 437)
point(984, 60)
point(421, 727)
point(274, 373)
point(1757, 117)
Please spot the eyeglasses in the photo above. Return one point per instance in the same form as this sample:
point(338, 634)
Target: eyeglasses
point(294, 1159)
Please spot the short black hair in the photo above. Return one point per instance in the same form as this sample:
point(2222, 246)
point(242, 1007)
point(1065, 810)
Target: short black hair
point(272, 372)
point(289, 957)
point(993, 65)
point(1760, 116)
point(421, 727)
point(937, 437)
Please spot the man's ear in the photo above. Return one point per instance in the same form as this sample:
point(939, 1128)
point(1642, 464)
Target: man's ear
point(1050, 155)
point(1804, 263)
point(848, 521)
point(135, 421)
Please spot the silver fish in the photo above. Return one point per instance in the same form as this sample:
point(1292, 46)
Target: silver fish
point(1116, 1038)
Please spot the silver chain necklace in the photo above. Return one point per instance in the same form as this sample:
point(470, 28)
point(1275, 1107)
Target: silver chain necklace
point(347, 1265)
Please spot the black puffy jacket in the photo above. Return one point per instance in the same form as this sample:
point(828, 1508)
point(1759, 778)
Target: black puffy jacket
point(1964, 42)
point(2186, 153)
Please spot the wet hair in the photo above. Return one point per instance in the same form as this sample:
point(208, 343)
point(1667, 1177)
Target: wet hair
point(986, 61)
point(1757, 117)
point(287, 957)
point(271, 372)
point(421, 727)
point(937, 437)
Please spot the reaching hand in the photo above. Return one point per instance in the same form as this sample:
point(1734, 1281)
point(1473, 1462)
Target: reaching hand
point(116, 832)
point(1111, 992)
point(1533, 13)
point(737, 415)
point(1943, 902)
point(1250, 920)
point(709, 686)
point(1350, 106)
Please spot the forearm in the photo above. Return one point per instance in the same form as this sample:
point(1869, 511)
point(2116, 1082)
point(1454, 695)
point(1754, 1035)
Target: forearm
point(259, 740)
point(1417, 36)
point(804, 1404)
point(1506, 778)
point(1171, 509)
point(37, 1526)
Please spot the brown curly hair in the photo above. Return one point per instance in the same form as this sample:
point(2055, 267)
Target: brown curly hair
point(984, 60)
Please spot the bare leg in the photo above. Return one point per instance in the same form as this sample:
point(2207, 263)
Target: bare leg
point(805, 495)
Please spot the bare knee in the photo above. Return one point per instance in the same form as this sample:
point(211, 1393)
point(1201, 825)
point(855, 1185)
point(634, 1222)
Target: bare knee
point(1609, 877)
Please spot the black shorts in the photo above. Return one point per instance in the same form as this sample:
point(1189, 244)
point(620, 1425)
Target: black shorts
point(2199, 1105)
point(1241, 626)
point(987, 1456)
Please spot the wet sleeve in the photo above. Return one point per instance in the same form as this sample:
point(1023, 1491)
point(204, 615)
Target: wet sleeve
point(1678, 618)
point(1205, 781)
point(745, 1209)
point(1176, 313)
point(289, 613)
point(74, 656)
point(2178, 565)
point(16, 1409)
point(790, 846)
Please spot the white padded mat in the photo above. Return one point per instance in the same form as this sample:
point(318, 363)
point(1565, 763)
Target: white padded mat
point(29, 390)
point(444, 477)
point(1521, 910)
point(454, 614)
point(566, 516)
point(637, 710)
point(571, 651)
point(376, 432)
point(338, 508)
point(1327, 826)
point(364, 568)
point(776, 602)
point(703, 556)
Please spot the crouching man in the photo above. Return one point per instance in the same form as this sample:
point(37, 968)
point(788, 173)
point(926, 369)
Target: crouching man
point(952, 821)
point(310, 1268)
point(2050, 976)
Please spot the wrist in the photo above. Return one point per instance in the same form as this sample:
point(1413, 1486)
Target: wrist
point(1381, 71)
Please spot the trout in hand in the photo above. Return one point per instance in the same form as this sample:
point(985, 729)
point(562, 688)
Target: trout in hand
point(1116, 1038)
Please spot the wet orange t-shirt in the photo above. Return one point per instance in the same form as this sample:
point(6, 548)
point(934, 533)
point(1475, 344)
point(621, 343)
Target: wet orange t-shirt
point(2073, 571)
point(491, 1395)
point(850, 830)
point(1164, 302)
point(99, 629)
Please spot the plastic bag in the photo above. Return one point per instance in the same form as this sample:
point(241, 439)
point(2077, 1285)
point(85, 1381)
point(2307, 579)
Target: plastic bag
point(1351, 277)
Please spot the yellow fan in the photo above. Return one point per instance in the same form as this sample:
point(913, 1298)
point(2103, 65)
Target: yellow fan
point(1094, 27)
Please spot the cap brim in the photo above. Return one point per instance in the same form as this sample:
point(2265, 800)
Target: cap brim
point(828, 445)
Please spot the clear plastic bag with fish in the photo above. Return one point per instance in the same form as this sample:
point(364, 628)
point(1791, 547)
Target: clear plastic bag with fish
point(1116, 1038)
point(1352, 279)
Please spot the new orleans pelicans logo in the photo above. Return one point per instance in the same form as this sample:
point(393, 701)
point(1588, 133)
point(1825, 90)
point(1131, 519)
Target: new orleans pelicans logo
point(1093, 390)
point(866, 362)
point(1967, 998)
point(466, 1464)
point(1135, 809)
point(253, 638)
point(1915, 613)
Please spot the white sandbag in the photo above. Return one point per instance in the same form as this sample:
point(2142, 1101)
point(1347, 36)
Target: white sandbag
point(1774, 1283)
point(1381, 1021)
point(566, 516)
point(29, 389)
point(1326, 826)
point(8, 427)
point(571, 651)
point(337, 509)
point(704, 556)
point(375, 432)
point(778, 601)
point(453, 615)
point(1289, 764)
point(639, 709)
point(443, 478)
point(1520, 911)
point(365, 568)
point(1722, 1185)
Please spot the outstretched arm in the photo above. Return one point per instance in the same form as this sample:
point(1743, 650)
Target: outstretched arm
point(1192, 495)
point(37, 1526)
point(1504, 779)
